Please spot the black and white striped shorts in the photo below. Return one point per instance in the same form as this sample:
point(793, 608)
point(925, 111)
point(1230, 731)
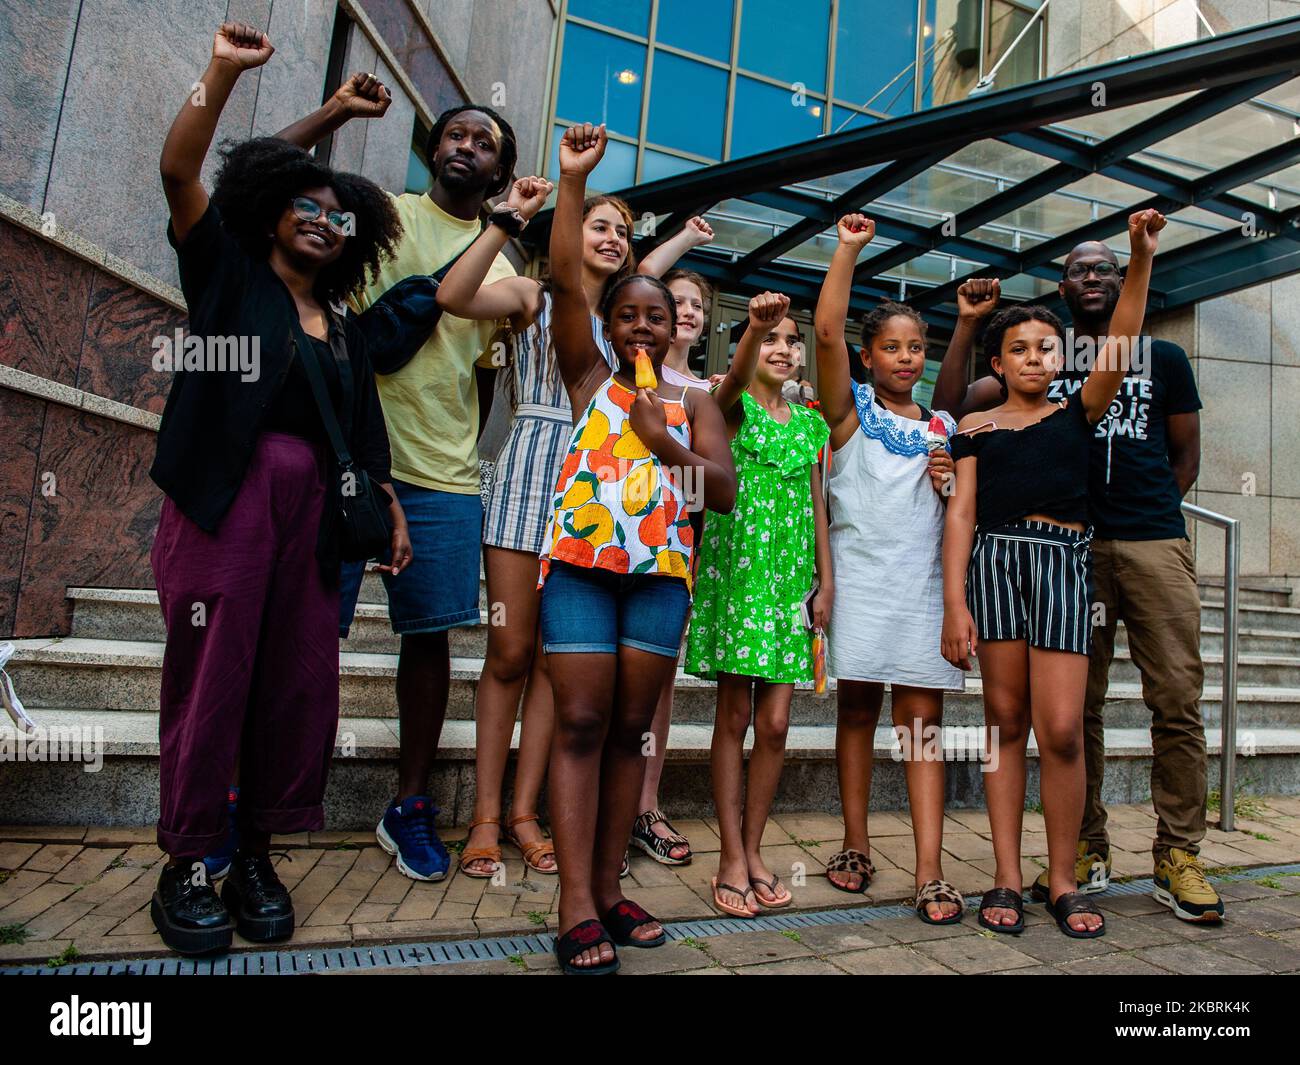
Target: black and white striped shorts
point(1032, 580)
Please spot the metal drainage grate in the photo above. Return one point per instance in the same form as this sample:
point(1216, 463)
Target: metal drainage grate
point(408, 955)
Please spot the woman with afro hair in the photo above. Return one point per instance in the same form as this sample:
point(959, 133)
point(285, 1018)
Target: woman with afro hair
point(246, 557)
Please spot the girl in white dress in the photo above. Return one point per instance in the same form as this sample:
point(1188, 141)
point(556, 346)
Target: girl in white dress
point(887, 487)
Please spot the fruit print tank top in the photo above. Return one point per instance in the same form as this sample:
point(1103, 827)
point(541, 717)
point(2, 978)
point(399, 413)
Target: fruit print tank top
point(616, 506)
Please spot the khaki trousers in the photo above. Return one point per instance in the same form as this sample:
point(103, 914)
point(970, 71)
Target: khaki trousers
point(1151, 586)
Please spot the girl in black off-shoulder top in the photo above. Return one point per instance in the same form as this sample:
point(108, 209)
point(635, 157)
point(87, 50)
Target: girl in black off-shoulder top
point(1016, 574)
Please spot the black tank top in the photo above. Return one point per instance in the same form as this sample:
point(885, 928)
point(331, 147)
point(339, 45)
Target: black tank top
point(1040, 469)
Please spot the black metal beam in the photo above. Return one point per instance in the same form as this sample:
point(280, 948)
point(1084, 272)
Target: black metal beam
point(1212, 186)
point(1179, 190)
point(862, 194)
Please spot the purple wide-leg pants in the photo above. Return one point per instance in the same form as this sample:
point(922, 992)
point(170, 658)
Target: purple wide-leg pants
point(250, 678)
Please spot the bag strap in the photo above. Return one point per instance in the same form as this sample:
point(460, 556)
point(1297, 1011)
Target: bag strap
point(442, 271)
point(311, 366)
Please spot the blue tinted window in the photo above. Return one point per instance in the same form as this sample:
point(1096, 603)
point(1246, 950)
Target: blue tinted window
point(843, 119)
point(786, 41)
point(601, 78)
point(617, 170)
point(766, 117)
point(688, 105)
point(656, 165)
point(630, 15)
point(874, 41)
point(699, 26)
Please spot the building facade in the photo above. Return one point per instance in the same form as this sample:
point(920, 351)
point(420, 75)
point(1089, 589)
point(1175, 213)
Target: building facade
point(87, 279)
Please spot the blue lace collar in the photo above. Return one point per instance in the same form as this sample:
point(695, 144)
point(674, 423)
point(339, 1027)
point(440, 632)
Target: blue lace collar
point(902, 436)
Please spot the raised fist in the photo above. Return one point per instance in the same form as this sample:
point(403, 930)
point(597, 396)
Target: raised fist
point(700, 231)
point(855, 230)
point(528, 195)
point(241, 45)
point(767, 309)
point(978, 296)
point(364, 96)
point(581, 148)
point(1142, 229)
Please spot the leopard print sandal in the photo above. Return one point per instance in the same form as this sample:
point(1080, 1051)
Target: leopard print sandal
point(938, 891)
point(850, 860)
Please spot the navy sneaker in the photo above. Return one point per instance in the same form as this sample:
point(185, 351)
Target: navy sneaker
point(218, 862)
point(407, 831)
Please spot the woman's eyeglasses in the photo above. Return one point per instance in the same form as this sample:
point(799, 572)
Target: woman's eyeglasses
point(1103, 270)
point(309, 210)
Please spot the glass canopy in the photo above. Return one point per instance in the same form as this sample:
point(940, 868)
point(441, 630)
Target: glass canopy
point(1005, 183)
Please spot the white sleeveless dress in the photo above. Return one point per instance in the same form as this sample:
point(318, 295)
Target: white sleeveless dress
point(886, 537)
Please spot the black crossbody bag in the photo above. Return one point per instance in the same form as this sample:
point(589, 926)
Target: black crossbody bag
point(363, 526)
point(400, 322)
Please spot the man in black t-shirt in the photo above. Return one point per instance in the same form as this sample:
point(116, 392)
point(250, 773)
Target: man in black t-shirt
point(1145, 457)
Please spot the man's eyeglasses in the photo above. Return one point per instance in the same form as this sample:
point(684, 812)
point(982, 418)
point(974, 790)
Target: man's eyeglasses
point(309, 210)
point(1103, 270)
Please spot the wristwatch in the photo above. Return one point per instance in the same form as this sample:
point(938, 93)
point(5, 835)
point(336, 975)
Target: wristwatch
point(508, 218)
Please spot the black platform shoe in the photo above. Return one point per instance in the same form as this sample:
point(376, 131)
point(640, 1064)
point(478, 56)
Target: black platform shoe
point(187, 913)
point(257, 900)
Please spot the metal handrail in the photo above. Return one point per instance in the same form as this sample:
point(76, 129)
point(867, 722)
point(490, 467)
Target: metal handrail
point(1228, 715)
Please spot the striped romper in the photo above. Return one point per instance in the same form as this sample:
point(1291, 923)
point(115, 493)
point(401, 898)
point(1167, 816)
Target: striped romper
point(1031, 580)
point(523, 483)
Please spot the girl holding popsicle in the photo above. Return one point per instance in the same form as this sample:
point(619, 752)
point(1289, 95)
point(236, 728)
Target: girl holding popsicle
point(616, 565)
point(758, 565)
point(890, 473)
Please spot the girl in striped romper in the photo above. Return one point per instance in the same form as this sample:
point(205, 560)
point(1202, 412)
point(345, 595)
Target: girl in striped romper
point(1016, 570)
point(518, 501)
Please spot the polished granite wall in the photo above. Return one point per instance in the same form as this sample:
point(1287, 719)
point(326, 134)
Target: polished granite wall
point(88, 89)
point(76, 503)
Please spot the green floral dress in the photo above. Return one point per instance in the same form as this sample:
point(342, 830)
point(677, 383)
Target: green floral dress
point(758, 562)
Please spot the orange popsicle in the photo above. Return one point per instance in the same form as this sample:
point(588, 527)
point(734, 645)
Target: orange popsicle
point(645, 371)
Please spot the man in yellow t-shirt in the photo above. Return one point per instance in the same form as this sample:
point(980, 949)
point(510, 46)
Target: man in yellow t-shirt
point(431, 409)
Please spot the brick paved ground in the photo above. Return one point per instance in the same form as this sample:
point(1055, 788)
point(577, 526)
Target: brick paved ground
point(86, 891)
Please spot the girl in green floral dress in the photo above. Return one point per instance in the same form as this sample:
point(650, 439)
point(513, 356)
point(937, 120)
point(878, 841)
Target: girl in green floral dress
point(756, 567)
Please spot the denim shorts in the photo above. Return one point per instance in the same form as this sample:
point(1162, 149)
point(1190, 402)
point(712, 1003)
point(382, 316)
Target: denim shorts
point(593, 611)
point(439, 589)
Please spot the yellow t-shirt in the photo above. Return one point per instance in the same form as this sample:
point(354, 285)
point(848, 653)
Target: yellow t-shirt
point(431, 403)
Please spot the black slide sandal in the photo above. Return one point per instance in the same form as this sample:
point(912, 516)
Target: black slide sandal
point(582, 936)
point(624, 918)
point(1071, 903)
point(1001, 898)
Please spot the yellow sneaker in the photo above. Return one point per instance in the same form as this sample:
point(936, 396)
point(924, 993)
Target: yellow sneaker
point(1181, 885)
point(1091, 873)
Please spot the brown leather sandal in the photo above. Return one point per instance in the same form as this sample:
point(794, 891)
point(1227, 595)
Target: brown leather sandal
point(532, 852)
point(481, 854)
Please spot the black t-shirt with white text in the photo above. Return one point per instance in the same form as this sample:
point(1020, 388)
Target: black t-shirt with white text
point(1132, 493)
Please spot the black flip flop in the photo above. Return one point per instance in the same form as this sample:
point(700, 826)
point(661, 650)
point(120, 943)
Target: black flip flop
point(582, 936)
point(1071, 903)
point(1001, 898)
point(624, 918)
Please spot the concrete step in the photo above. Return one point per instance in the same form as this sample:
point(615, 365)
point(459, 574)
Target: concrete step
point(1267, 655)
point(1251, 591)
point(1271, 618)
point(1249, 641)
point(110, 775)
point(133, 614)
point(124, 675)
